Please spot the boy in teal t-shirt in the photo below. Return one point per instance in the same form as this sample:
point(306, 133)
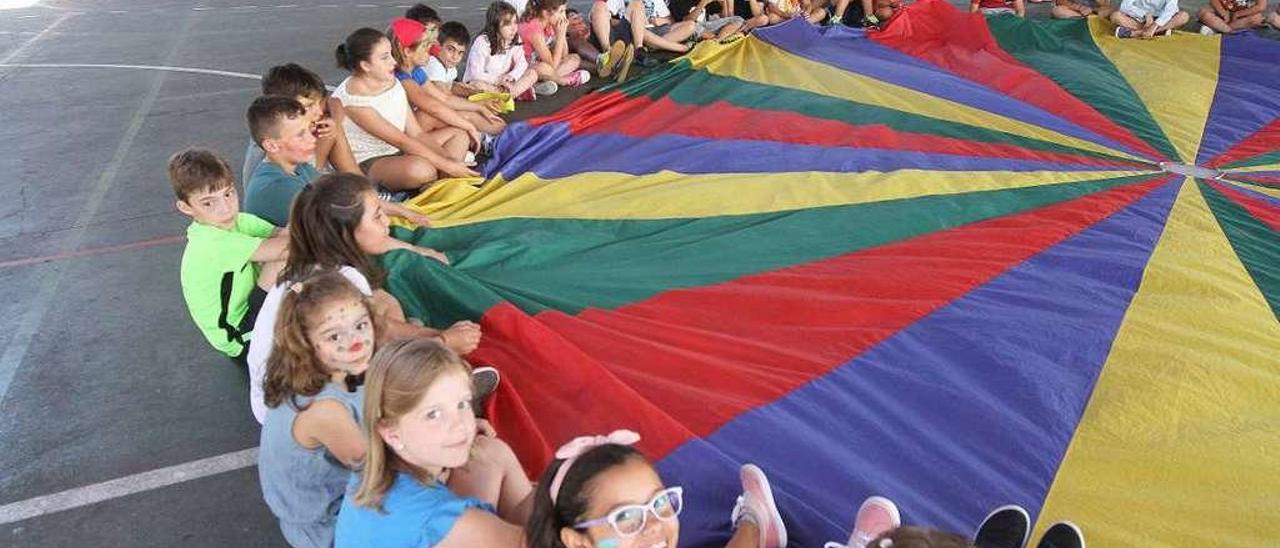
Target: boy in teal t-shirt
point(280, 126)
point(230, 256)
point(286, 133)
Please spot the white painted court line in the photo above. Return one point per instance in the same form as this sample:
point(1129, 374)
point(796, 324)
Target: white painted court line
point(192, 70)
point(50, 276)
point(128, 485)
point(23, 48)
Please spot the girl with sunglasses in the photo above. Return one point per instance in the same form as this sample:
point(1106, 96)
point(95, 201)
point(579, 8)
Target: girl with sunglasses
point(602, 493)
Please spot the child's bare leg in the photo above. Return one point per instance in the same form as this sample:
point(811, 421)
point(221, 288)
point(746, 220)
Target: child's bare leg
point(587, 52)
point(729, 30)
point(452, 140)
point(1178, 20)
point(427, 122)
point(664, 43)
point(601, 22)
point(568, 66)
point(884, 13)
point(492, 126)
point(523, 84)
point(493, 474)
point(1274, 19)
point(1248, 22)
point(636, 17)
point(403, 172)
point(746, 535)
point(1120, 19)
point(545, 71)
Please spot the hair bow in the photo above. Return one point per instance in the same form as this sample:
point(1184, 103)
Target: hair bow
point(575, 448)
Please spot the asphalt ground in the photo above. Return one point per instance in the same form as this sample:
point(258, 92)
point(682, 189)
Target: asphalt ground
point(119, 426)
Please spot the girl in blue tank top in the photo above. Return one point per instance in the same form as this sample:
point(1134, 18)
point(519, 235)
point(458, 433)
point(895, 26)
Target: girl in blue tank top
point(311, 438)
point(428, 479)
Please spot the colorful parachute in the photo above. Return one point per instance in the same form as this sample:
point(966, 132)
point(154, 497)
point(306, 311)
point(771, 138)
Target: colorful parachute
point(960, 263)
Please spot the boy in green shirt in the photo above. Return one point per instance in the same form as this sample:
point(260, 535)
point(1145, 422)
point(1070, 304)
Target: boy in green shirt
point(230, 258)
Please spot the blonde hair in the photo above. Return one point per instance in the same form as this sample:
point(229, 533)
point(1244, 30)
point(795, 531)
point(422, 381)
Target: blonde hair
point(399, 375)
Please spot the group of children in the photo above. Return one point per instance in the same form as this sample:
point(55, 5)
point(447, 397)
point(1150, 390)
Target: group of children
point(1148, 18)
point(370, 434)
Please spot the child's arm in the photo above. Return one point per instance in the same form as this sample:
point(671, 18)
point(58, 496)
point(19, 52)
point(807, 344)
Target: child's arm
point(332, 147)
point(424, 99)
point(553, 58)
point(973, 6)
point(372, 122)
point(519, 64)
point(275, 248)
point(329, 423)
point(1020, 8)
point(481, 528)
point(1257, 8)
point(399, 210)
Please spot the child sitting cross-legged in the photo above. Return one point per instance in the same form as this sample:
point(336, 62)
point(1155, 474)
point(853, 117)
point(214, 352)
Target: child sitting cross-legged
point(1228, 16)
point(1148, 18)
point(497, 61)
point(433, 107)
point(390, 146)
point(230, 258)
point(544, 33)
point(428, 479)
point(998, 7)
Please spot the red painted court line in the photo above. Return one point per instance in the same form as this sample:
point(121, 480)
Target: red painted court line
point(95, 251)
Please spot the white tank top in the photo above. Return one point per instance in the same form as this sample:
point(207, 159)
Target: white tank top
point(392, 105)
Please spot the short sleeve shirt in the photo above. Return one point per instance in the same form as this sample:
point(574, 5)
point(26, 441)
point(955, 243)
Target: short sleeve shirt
point(270, 192)
point(436, 71)
point(218, 275)
point(413, 515)
point(418, 75)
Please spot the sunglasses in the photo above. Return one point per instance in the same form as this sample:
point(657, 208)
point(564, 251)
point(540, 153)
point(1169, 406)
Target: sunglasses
point(629, 520)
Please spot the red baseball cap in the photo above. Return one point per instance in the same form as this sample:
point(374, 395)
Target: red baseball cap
point(407, 31)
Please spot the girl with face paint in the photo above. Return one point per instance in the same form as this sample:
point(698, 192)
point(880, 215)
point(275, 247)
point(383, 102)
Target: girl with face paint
point(311, 437)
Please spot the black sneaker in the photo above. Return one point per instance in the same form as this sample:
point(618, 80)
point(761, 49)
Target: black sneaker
point(1005, 527)
point(484, 380)
point(1063, 534)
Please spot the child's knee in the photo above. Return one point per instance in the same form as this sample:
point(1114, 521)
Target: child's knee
point(422, 171)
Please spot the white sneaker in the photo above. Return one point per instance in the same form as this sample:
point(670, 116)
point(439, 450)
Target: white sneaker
point(1205, 30)
point(757, 506)
point(546, 88)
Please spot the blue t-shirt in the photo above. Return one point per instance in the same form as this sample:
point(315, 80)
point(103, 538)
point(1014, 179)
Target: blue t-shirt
point(270, 192)
point(418, 75)
point(413, 515)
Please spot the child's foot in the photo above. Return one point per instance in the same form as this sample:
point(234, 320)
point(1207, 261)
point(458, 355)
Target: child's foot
point(1124, 32)
point(624, 66)
point(1063, 534)
point(545, 88)
point(756, 505)
point(578, 78)
point(1005, 527)
point(484, 380)
point(608, 61)
point(1165, 32)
